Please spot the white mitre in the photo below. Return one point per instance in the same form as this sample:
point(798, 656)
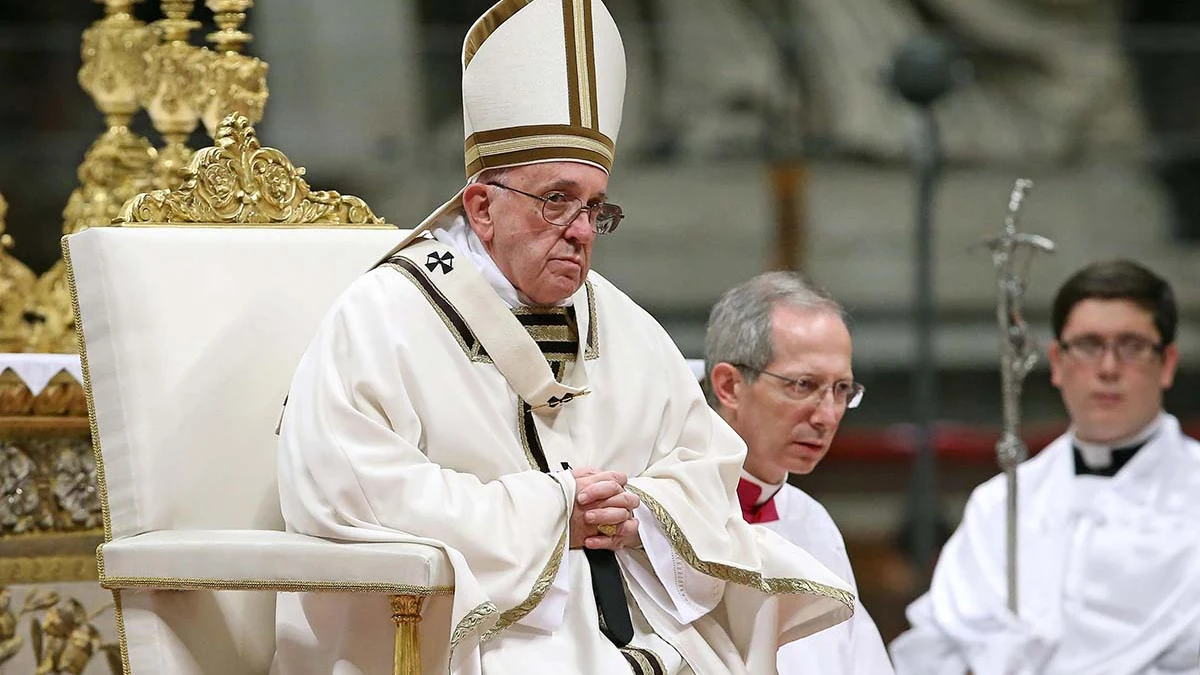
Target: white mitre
point(543, 81)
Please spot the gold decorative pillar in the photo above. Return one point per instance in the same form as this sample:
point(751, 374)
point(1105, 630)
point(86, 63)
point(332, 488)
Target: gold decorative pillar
point(115, 168)
point(172, 88)
point(236, 83)
point(16, 284)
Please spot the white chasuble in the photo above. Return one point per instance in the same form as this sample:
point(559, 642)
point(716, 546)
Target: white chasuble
point(1109, 572)
point(424, 411)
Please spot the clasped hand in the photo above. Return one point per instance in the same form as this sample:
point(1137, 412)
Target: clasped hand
point(601, 499)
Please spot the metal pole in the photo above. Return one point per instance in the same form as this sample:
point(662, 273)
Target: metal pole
point(925, 504)
point(922, 72)
point(1010, 477)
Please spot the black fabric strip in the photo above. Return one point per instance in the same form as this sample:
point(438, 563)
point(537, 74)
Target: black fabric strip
point(609, 589)
point(558, 347)
point(531, 436)
point(555, 319)
point(633, 664)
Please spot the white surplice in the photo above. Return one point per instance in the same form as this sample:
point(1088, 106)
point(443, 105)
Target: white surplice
point(403, 424)
point(1109, 572)
point(850, 648)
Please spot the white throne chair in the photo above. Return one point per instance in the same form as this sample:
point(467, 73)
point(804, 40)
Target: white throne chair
point(192, 316)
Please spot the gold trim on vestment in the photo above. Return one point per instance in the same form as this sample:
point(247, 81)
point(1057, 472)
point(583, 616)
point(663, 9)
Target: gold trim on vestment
point(646, 661)
point(556, 330)
point(592, 350)
point(551, 334)
point(742, 577)
point(540, 587)
point(470, 622)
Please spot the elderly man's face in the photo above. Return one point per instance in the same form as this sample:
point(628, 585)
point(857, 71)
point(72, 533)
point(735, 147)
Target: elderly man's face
point(546, 262)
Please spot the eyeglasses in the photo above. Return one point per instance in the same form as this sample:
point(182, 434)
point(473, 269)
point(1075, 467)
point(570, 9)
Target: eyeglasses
point(559, 208)
point(810, 390)
point(1126, 348)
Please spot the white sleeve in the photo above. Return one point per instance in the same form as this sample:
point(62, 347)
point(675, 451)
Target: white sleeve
point(924, 649)
point(963, 623)
point(689, 594)
point(549, 613)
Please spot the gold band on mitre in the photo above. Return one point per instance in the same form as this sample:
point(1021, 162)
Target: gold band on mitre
point(498, 148)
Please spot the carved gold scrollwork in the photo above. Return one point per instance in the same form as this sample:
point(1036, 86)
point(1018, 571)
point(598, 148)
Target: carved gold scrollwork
point(62, 633)
point(239, 181)
point(74, 487)
point(21, 508)
point(48, 487)
point(115, 168)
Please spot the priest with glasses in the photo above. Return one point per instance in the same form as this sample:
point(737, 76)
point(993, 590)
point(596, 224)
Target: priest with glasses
point(1109, 514)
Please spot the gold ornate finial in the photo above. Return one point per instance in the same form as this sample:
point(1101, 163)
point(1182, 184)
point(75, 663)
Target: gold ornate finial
point(112, 61)
point(172, 88)
point(229, 16)
point(16, 286)
point(236, 83)
point(116, 167)
point(239, 181)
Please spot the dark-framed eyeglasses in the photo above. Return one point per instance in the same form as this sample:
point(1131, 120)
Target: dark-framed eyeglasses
point(1127, 348)
point(806, 389)
point(559, 208)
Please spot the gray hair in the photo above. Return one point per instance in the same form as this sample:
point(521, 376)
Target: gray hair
point(739, 326)
point(493, 175)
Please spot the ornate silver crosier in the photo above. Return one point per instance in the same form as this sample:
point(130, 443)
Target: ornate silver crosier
point(1012, 254)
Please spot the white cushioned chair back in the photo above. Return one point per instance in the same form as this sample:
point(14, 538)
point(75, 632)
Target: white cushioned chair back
point(191, 336)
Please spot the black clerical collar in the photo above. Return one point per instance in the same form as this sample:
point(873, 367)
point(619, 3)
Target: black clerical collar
point(1120, 457)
